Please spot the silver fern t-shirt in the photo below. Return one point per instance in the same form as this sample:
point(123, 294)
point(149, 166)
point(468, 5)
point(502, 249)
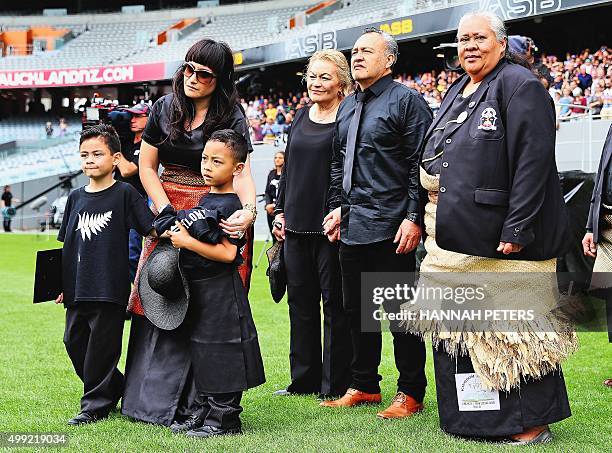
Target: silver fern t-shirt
point(95, 232)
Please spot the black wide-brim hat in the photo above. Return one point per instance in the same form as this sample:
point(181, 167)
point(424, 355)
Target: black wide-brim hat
point(164, 292)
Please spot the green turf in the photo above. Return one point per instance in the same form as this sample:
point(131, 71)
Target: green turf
point(39, 391)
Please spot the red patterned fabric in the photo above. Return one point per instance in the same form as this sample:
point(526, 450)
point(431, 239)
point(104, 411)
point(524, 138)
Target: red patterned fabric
point(186, 197)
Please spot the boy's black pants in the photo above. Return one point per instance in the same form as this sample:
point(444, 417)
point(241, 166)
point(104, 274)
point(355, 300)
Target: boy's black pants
point(93, 337)
point(221, 410)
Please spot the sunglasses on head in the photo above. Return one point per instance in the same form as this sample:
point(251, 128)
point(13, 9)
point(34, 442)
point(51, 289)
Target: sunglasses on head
point(202, 75)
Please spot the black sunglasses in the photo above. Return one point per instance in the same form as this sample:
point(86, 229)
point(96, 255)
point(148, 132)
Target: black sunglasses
point(202, 75)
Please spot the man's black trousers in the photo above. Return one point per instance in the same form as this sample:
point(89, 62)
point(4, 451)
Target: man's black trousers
point(409, 350)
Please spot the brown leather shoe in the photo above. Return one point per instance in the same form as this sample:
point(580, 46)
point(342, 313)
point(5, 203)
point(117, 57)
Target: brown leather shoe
point(352, 398)
point(402, 406)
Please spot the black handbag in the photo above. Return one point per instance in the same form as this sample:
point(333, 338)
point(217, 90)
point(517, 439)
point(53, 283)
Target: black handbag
point(276, 271)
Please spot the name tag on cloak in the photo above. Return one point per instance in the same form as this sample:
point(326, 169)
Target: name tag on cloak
point(471, 396)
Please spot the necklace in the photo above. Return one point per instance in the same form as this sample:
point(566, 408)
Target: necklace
point(318, 117)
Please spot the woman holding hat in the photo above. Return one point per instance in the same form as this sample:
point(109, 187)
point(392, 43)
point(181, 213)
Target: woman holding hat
point(494, 207)
point(159, 382)
point(312, 263)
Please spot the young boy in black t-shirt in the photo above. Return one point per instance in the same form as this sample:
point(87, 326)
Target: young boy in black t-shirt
point(95, 275)
point(224, 347)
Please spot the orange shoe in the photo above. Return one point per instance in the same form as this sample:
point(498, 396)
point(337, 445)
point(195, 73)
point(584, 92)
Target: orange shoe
point(402, 406)
point(352, 398)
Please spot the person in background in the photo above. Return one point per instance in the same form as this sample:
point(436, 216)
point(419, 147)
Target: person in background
point(127, 171)
point(272, 188)
point(7, 202)
point(63, 127)
point(269, 130)
point(49, 129)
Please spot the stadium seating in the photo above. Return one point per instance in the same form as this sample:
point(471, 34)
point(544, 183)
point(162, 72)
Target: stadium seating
point(122, 41)
point(99, 44)
point(31, 128)
point(50, 161)
point(238, 30)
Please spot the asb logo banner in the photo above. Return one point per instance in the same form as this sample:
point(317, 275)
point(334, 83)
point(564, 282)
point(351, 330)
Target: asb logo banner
point(82, 76)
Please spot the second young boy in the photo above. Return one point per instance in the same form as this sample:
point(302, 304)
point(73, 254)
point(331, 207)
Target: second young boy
point(224, 347)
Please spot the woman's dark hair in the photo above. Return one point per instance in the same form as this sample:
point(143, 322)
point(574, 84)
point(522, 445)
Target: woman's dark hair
point(218, 57)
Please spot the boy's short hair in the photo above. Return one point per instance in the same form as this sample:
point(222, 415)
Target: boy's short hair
point(106, 133)
point(234, 141)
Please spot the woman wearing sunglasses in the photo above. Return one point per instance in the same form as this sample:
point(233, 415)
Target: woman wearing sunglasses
point(159, 384)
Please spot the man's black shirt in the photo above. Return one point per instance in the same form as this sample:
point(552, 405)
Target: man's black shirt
point(95, 235)
point(385, 178)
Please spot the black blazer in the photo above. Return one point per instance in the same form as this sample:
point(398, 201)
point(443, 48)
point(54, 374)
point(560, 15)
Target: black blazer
point(593, 221)
point(498, 178)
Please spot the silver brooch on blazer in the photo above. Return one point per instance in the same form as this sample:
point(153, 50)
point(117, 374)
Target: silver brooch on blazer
point(488, 118)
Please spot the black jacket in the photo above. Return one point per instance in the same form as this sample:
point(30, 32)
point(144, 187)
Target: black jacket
point(498, 178)
point(385, 178)
point(594, 220)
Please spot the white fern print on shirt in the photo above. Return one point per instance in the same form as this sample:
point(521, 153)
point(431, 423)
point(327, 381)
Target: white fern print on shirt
point(93, 223)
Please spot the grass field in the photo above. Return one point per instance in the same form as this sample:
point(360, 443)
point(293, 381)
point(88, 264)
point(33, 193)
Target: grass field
point(39, 391)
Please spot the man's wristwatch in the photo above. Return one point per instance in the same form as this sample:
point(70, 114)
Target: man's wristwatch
point(413, 217)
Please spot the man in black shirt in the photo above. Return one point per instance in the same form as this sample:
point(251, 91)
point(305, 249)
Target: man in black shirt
point(127, 170)
point(374, 185)
point(7, 201)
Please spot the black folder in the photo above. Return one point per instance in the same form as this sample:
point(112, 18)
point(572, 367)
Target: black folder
point(48, 276)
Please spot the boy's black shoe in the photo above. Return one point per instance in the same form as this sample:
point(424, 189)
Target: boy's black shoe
point(192, 422)
point(86, 417)
point(210, 431)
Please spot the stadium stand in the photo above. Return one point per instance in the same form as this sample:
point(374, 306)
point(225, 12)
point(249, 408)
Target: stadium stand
point(50, 161)
point(98, 44)
point(257, 25)
point(32, 128)
point(238, 30)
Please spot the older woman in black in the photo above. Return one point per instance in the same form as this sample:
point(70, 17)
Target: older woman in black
point(313, 269)
point(494, 206)
point(159, 383)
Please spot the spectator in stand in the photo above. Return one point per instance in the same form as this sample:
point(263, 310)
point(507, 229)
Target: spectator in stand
point(595, 101)
point(585, 79)
point(271, 112)
point(268, 131)
point(288, 123)
point(579, 106)
point(565, 102)
point(256, 130)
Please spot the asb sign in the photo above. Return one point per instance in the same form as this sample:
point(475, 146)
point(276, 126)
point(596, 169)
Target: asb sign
point(82, 76)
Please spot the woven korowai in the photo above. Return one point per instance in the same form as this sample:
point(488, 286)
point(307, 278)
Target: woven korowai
point(501, 356)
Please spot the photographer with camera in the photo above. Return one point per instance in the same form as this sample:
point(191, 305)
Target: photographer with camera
point(127, 171)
